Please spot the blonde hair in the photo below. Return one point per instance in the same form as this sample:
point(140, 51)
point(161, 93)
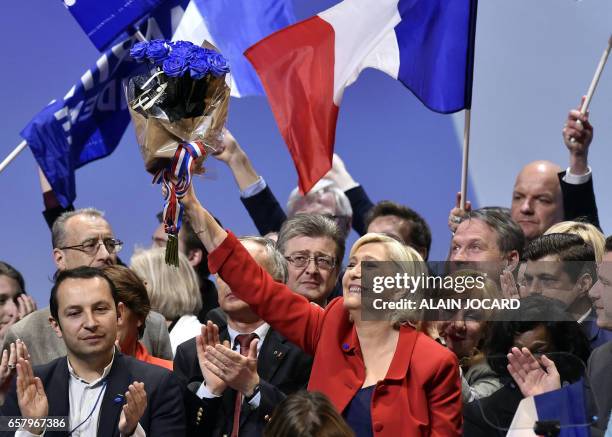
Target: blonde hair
point(589, 233)
point(407, 260)
point(173, 292)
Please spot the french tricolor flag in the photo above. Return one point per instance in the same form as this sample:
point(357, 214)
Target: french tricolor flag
point(565, 407)
point(428, 45)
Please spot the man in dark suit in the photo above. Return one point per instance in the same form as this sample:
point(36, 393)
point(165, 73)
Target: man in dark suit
point(238, 372)
point(598, 372)
point(99, 390)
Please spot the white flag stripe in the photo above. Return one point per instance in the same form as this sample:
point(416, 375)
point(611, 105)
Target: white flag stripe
point(363, 40)
point(524, 419)
point(193, 28)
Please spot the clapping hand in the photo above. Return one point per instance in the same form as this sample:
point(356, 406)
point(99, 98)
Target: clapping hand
point(25, 305)
point(509, 287)
point(8, 364)
point(209, 338)
point(31, 395)
point(532, 377)
point(236, 370)
point(133, 409)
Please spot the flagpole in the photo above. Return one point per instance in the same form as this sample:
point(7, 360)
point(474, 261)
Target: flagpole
point(602, 62)
point(466, 157)
point(13, 155)
point(139, 36)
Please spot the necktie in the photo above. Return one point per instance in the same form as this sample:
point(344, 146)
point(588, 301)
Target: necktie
point(244, 340)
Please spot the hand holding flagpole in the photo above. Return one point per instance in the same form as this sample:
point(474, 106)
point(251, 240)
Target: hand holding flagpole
point(602, 62)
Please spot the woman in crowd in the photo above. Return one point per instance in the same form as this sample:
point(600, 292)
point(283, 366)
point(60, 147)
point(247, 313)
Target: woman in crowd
point(385, 377)
point(133, 312)
point(562, 342)
point(15, 304)
point(173, 292)
point(589, 233)
point(465, 330)
point(307, 414)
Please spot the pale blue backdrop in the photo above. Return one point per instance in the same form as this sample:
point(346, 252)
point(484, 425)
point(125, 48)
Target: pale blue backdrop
point(533, 62)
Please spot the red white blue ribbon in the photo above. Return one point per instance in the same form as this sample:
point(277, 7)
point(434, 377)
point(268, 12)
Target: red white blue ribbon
point(176, 179)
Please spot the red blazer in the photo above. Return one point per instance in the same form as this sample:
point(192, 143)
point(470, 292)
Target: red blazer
point(421, 394)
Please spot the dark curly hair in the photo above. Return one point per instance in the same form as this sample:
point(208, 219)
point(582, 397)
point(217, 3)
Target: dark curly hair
point(566, 336)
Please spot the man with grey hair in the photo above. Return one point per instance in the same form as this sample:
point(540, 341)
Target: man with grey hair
point(80, 238)
point(314, 247)
point(488, 235)
point(239, 371)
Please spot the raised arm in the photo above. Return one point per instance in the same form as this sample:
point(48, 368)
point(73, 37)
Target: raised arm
point(287, 312)
point(256, 196)
point(360, 202)
point(577, 181)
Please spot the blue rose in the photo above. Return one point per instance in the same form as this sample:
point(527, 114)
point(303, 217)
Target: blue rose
point(175, 66)
point(157, 50)
point(139, 51)
point(199, 67)
point(218, 64)
point(184, 49)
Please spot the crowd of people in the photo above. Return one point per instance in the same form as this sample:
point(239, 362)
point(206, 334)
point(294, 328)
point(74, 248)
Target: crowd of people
point(277, 343)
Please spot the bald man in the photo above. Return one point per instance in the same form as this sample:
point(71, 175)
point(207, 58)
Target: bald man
point(544, 194)
point(537, 201)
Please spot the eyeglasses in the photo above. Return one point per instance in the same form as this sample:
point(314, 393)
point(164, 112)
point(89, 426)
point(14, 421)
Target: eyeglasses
point(301, 260)
point(90, 247)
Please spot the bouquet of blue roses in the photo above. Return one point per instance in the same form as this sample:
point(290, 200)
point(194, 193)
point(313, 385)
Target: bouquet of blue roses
point(178, 102)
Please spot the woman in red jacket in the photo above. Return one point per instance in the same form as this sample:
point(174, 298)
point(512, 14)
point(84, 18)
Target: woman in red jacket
point(386, 378)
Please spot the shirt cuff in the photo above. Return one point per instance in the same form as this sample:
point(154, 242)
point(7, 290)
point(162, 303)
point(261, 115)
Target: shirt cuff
point(138, 432)
point(575, 179)
point(254, 403)
point(204, 392)
point(253, 189)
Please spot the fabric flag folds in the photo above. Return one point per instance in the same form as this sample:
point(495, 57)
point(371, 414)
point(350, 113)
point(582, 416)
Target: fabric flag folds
point(427, 45)
point(88, 123)
point(566, 406)
point(233, 26)
point(103, 21)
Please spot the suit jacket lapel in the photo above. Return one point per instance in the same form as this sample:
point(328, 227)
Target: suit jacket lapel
point(119, 378)
point(57, 391)
point(272, 354)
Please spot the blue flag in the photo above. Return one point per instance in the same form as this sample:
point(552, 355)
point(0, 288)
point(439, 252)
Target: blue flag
point(233, 26)
point(566, 405)
point(104, 20)
point(88, 123)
